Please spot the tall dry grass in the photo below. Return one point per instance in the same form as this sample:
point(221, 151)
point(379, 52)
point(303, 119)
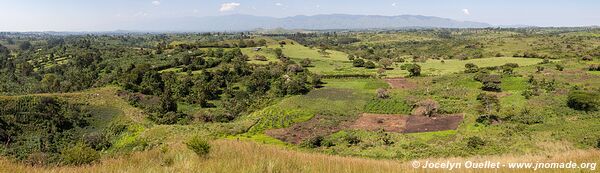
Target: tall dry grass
point(241, 156)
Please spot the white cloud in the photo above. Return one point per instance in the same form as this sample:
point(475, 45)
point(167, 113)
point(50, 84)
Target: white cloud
point(229, 6)
point(156, 3)
point(278, 4)
point(394, 4)
point(466, 11)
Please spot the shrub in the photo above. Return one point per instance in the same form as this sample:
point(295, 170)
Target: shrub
point(583, 100)
point(587, 58)
point(560, 67)
point(594, 67)
point(97, 141)
point(511, 65)
point(385, 62)
point(305, 62)
point(598, 144)
point(527, 116)
point(314, 142)
point(487, 119)
point(471, 68)
point(370, 65)
point(490, 82)
point(540, 69)
point(413, 69)
point(200, 146)
point(352, 139)
point(489, 103)
point(475, 142)
point(426, 107)
point(80, 154)
point(383, 93)
point(358, 62)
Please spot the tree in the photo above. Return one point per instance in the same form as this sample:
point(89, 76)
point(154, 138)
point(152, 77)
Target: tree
point(491, 82)
point(316, 81)
point(489, 103)
point(26, 45)
point(351, 57)
point(471, 68)
point(370, 65)
point(305, 62)
point(262, 42)
point(385, 62)
point(51, 83)
point(279, 53)
point(358, 62)
point(583, 100)
point(413, 69)
point(428, 107)
point(167, 103)
point(560, 67)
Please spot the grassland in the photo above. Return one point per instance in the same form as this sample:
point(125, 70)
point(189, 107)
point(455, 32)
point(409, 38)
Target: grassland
point(239, 156)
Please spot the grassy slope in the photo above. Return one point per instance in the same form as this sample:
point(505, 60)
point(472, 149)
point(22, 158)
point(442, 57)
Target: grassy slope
point(236, 156)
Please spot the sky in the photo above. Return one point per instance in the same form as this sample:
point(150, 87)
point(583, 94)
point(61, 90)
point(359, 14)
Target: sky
point(108, 15)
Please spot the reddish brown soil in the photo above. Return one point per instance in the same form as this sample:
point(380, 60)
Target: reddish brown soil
point(374, 122)
point(326, 125)
point(317, 126)
point(417, 124)
point(400, 83)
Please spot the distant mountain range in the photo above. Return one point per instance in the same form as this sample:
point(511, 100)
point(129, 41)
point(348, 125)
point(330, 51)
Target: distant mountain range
point(317, 22)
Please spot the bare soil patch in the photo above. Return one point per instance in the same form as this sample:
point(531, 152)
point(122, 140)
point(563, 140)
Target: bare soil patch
point(374, 122)
point(325, 125)
point(317, 126)
point(417, 124)
point(400, 83)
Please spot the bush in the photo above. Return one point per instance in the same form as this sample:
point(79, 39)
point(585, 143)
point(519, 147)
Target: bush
point(352, 139)
point(358, 62)
point(487, 119)
point(490, 82)
point(383, 93)
point(305, 62)
point(560, 67)
point(594, 67)
point(475, 142)
point(200, 146)
point(471, 68)
point(314, 142)
point(370, 65)
point(598, 144)
point(80, 154)
point(413, 69)
point(97, 141)
point(583, 100)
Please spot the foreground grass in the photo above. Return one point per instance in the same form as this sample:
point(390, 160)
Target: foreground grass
point(242, 156)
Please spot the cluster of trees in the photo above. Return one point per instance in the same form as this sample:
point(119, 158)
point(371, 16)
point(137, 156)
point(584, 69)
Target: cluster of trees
point(38, 130)
point(228, 78)
point(537, 87)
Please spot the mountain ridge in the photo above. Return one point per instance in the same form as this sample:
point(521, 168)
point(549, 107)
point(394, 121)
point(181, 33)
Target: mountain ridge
point(241, 22)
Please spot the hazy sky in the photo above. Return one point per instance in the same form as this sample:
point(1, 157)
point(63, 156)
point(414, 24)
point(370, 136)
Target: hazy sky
point(105, 15)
